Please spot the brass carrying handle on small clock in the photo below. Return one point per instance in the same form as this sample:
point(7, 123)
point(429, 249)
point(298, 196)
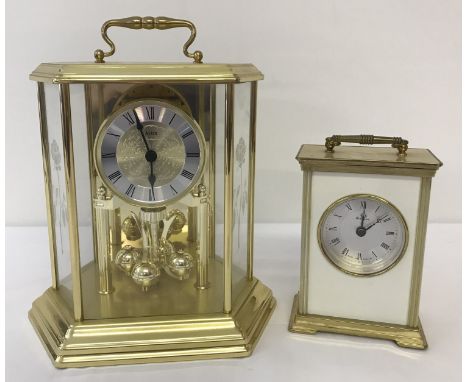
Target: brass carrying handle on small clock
point(148, 22)
point(397, 142)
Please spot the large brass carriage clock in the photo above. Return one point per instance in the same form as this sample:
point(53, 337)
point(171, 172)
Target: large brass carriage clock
point(149, 172)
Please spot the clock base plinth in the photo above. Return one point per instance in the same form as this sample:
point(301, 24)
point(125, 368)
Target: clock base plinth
point(117, 341)
point(402, 335)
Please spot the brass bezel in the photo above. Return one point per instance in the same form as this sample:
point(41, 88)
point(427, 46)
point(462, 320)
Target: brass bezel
point(332, 206)
point(98, 141)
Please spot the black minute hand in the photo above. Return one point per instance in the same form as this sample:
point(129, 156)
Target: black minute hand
point(139, 126)
point(150, 155)
point(377, 221)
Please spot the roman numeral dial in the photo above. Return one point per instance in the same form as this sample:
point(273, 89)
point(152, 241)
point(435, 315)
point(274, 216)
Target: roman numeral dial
point(362, 234)
point(149, 153)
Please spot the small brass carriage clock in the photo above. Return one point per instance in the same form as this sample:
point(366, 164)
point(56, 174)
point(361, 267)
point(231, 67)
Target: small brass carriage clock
point(149, 172)
point(364, 224)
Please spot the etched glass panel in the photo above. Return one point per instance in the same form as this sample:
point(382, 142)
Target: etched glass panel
point(58, 188)
point(240, 186)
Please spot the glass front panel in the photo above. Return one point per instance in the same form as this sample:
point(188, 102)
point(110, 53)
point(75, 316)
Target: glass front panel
point(240, 186)
point(58, 191)
point(152, 153)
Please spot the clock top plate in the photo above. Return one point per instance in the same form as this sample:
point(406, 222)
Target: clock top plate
point(418, 162)
point(87, 72)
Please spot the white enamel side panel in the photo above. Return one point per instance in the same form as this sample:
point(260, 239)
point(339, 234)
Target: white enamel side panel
point(332, 292)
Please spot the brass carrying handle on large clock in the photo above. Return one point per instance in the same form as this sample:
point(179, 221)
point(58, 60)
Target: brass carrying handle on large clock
point(397, 142)
point(148, 22)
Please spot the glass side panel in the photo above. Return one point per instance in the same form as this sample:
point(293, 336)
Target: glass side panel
point(82, 156)
point(219, 171)
point(240, 186)
point(59, 193)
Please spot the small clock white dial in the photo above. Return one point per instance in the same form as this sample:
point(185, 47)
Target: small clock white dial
point(363, 234)
point(149, 152)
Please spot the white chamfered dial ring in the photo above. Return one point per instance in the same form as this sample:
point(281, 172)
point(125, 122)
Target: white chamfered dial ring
point(362, 234)
point(149, 153)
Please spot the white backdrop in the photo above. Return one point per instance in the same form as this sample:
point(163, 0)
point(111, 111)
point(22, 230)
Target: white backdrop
point(331, 67)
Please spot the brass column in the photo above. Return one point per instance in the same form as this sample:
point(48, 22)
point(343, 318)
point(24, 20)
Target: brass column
point(70, 183)
point(203, 235)
point(228, 193)
point(418, 257)
point(305, 242)
point(102, 211)
point(251, 186)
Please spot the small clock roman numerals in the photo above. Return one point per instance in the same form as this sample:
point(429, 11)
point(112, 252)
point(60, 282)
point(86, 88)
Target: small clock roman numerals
point(385, 246)
point(335, 241)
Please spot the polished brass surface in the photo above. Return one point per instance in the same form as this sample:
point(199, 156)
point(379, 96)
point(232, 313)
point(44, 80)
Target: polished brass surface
point(192, 222)
point(418, 259)
point(179, 221)
point(212, 170)
point(48, 184)
point(404, 336)
point(368, 160)
point(305, 242)
point(131, 229)
point(146, 274)
point(70, 182)
point(103, 207)
point(179, 265)
point(115, 232)
point(148, 22)
point(128, 299)
point(228, 195)
point(151, 339)
point(251, 184)
point(145, 73)
point(203, 238)
point(396, 142)
point(91, 169)
point(398, 214)
point(127, 258)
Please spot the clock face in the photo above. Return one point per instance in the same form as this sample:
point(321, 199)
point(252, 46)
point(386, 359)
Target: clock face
point(149, 152)
point(363, 234)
